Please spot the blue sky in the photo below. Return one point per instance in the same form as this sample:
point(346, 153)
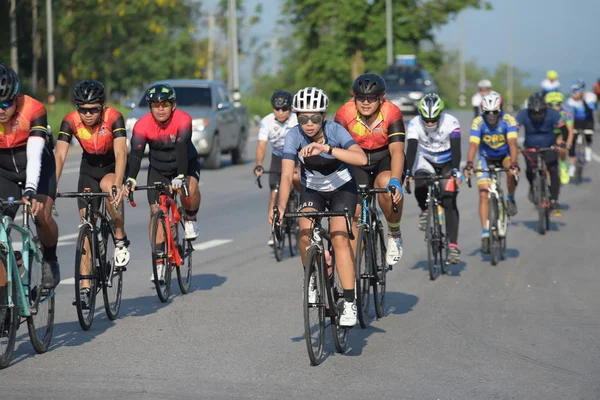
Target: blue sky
point(546, 34)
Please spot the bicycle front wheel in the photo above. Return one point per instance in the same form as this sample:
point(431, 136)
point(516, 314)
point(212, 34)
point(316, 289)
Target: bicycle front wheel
point(380, 268)
point(84, 259)
point(433, 241)
point(541, 203)
point(493, 225)
point(40, 323)
point(160, 259)
point(184, 271)
point(293, 228)
point(314, 306)
point(336, 300)
point(112, 285)
point(9, 316)
point(363, 279)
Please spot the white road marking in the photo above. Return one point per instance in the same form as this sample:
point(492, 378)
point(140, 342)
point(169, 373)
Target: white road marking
point(211, 243)
point(596, 157)
point(68, 281)
point(65, 240)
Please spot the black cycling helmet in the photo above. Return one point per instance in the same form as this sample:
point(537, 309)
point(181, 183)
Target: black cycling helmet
point(9, 83)
point(369, 84)
point(159, 93)
point(89, 92)
point(282, 99)
point(536, 103)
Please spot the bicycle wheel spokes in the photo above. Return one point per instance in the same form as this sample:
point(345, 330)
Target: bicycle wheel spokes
point(85, 278)
point(184, 271)
point(160, 260)
point(381, 268)
point(9, 317)
point(363, 279)
point(433, 241)
point(293, 234)
point(340, 334)
point(314, 307)
point(41, 306)
point(112, 286)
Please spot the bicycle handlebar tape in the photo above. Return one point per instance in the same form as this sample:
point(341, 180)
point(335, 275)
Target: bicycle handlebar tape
point(394, 206)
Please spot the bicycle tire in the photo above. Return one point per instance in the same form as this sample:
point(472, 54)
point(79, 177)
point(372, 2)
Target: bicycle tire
point(184, 271)
point(442, 246)
point(540, 183)
point(378, 256)
point(493, 227)
point(163, 291)
point(432, 241)
point(9, 317)
point(363, 280)
point(38, 297)
point(278, 245)
point(503, 221)
point(336, 300)
point(112, 280)
point(293, 228)
point(315, 350)
point(85, 317)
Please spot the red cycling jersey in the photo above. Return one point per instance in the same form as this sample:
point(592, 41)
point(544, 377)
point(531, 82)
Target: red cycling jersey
point(30, 119)
point(388, 128)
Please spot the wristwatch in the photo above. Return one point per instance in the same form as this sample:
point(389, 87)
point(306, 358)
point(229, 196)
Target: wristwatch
point(330, 149)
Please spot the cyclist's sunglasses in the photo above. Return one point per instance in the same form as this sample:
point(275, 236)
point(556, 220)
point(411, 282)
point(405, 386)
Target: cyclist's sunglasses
point(315, 119)
point(91, 110)
point(6, 104)
point(281, 109)
point(557, 104)
point(368, 99)
point(165, 104)
point(495, 112)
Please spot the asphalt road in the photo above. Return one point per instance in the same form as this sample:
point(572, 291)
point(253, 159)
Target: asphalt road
point(528, 328)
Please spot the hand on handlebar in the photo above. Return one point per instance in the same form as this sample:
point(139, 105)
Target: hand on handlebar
point(398, 193)
point(129, 186)
point(468, 171)
point(258, 170)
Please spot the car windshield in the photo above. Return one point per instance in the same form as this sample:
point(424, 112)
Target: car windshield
point(406, 78)
point(188, 97)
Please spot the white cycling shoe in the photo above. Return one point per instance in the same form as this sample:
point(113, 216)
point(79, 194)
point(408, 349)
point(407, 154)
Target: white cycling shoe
point(394, 250)
point(191, 230)
point(348, 318)
point(122, 254)
point(161, 274)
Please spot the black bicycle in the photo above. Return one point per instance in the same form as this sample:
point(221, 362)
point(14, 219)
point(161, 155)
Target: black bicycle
point(435, 235)
point(288, 228)
point(323, 293)
point(95, 268)
point(371, 267)
point(541, 191)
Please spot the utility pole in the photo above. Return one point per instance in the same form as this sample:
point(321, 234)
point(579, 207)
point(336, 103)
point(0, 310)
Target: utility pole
point(275, 49)
point(510, 72)
point(235, 76)
point(211, 47)
point(14, 55)
point(50, 42)
point(389, 34)
point(462, 84)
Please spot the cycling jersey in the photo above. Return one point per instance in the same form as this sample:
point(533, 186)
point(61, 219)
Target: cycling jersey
point(550, 86)
point(578, 109)
point(542, 134)
point(274, 131)
point(435, 146)
point(476, 102)
point(323, 173)
point(170, 144)
point(388, 128)
point(96, 140)
point(493, 142)
point(566, 116)
point(30, 119)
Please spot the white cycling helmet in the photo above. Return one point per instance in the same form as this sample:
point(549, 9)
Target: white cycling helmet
point(484, 83)
point(491, 102)
point(310, 99)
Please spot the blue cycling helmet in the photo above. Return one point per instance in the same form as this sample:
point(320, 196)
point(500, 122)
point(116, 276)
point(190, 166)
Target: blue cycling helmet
point(577, 86)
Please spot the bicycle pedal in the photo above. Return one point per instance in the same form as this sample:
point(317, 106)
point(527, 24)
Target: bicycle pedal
point(120, 269)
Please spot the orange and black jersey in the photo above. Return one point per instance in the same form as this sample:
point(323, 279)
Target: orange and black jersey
point(30, 119)
point(95, 140)
point(388, 128)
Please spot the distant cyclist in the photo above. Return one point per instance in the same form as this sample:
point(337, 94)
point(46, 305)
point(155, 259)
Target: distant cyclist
point(582, 105)
point(495, 135)
point(484, 87)
point(435, 134)
point(551, 83)
point(273, 129)
point(555, 100)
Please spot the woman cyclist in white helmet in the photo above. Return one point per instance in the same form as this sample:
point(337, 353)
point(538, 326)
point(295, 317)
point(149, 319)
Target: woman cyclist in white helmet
point(325, 151)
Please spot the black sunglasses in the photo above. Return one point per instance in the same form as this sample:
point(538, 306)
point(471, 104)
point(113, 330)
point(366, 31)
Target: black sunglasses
point(495, 112)
point(368, 99)
point(284, 109)
point(315, 119)
point(91, 110)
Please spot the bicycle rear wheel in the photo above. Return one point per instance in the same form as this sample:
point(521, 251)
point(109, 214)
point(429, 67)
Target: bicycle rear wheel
point(184, 271)
point(160, 256)
point(381, 268)
point(433, 241)
point(363, 278)
point(493, 225)
point(293, 230)
point(336, 300)
point(112, 287)
point(40, 323)
point(84, 257)
point(9, 316)
point(541, 200)
point(278, 245)
point(314, 309)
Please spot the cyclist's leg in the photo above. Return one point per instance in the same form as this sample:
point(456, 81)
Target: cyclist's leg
point(551, 160)
point(363, 177)
point(589, 135)
point(422, 169)
point(483, 184)
point(530, 165)
point(511, 184)
point(106, 186)
point(192, 206)
point(274, 179)
point(450, 207)
point(310, 200)
point(9, 187)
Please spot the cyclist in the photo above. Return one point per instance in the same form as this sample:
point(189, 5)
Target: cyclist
point(173, 158)
point(436, 134)
point(551, 83)
point(484, 86)
point(555, 100)
point(273, 129)
point(27, 168)
point(377, 126)
point(540, 123)
point(582, 105)
point(325, 151)
point(495, 135)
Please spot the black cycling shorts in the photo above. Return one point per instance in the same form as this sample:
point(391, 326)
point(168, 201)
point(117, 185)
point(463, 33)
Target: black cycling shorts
point(90, 176)
point(155, 175)
point(12, 183)
point(345, 196)
point(379, 161)
point(275, 169)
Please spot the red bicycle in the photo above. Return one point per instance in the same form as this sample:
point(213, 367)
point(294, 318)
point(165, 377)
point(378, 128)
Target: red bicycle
point(177, 253)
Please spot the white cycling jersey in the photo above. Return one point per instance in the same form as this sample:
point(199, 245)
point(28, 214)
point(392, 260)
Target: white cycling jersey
point(434, 146)
point(275, 132)
point(476, 100)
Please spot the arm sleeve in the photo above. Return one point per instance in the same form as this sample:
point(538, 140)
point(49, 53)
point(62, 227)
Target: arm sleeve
point(455, 149)
point(291, 144)
point(396, 132)
point(39, 123)
point(411, 154)
point(35, 149)
point(138, 145)
point(66, 131)
point(118, 128)
point(184, 138)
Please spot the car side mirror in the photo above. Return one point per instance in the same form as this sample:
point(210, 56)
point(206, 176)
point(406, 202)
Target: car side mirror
point(223, 105)
point(129, 104)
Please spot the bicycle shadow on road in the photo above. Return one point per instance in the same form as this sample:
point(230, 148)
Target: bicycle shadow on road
point(508, 253)
point(453, 269)
point(534, 225)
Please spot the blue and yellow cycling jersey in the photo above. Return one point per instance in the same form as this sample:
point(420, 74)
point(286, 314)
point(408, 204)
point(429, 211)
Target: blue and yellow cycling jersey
point(493, 142)
point(566, 117)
